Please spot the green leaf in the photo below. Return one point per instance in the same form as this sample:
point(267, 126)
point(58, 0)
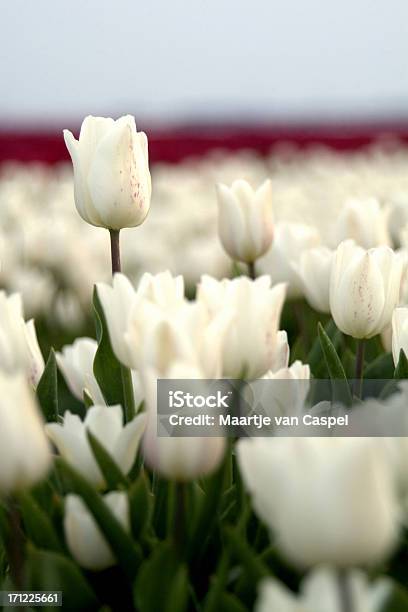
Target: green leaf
point(141, 505)
point(112, 473)
point(88, 401)
point(315, 357)
point(47, 389)
point(231, 603)
point(162, 583)
point(217, 585)
point(340, 387)
point(126, 551)
point(381, 368)
point(37, 524)
point(397, 600)
point(107, 368)
point(254, 567)
point(51, 571)
point(401, 371)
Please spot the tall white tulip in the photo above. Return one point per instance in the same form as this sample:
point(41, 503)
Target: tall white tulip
point(399, 333)
point(19, 350)
point(251, 345)
point(245, 219)
point(179, 458)
point(76, 363)
point(364, 289)
point(363, 221)
point(282, 260)
point(326, 500)
point(84, 538)
point(25, 456)
point(314, 270)
point(111, 172)
point(319, 592)
point(106, 424)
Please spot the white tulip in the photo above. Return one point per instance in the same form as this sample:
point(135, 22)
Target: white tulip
point(251, 345)
point(120, 302)
point(76, 363)
point(399, 333)
point(19, 348)
point(314, 270)
point(25, 456)
point(111, 172)
point(106, 424)
point(282, 259)
point(364, 289)
point(320, 592)
point(84, 538)
point(326, 500)
point(179, 458)
point(363, 221)
point(290, 387)
point(245, 219)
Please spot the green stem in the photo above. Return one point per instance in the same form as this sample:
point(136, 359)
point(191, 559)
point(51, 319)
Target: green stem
point(345, 594)
point(358, 376)
point(115, 250)
point(129, 398)
point(251, 270)
point(15, 545)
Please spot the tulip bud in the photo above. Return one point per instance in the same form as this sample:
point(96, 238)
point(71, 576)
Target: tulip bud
point(19, 350)
point(106, 424)
point(399, 333)
point(251, 344)
point(76, 364)
point(111, 172)
point(25, 456)
point(326, 500)
point(84, 538)
point(319, 592)
point(282, 260)
point(178, 458)
point(364, 289)
point(363, 221)
point(314, 270)
point(245, 220)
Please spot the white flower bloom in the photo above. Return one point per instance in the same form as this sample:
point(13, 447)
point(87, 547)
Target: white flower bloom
point(314, 270)
point(84, 538)
point(399, 333)
point(364, 289)
point(282, 259)
point(121, 302)
point(290, 389)
point(25, 456)
point(245, 219)
point(106, 424)
point(319, 592)
point(363, 221)
point(111, 171)
point(19, 348)
point(251, 345)
point(76, 363)
point(179, 458)
point(326, 500)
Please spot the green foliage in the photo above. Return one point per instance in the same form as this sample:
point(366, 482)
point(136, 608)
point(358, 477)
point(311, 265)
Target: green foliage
point(47, 389)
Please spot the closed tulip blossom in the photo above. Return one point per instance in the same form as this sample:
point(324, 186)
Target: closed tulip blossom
point(363, 221)
point(364, 289)
point(106, 424)
point(314, 270)
point(25, 456)
point(325, 500)
point(76, 363)
point(111, 172)
point(19, 350)
point(84, 538)
point(245, 220)
point(319, 592)
point(399, 333)
point(252, 345)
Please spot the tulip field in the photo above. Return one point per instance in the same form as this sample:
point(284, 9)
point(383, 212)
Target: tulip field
point(285, 274)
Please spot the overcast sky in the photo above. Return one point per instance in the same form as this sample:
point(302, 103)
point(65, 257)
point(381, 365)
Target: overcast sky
point(195, 59)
